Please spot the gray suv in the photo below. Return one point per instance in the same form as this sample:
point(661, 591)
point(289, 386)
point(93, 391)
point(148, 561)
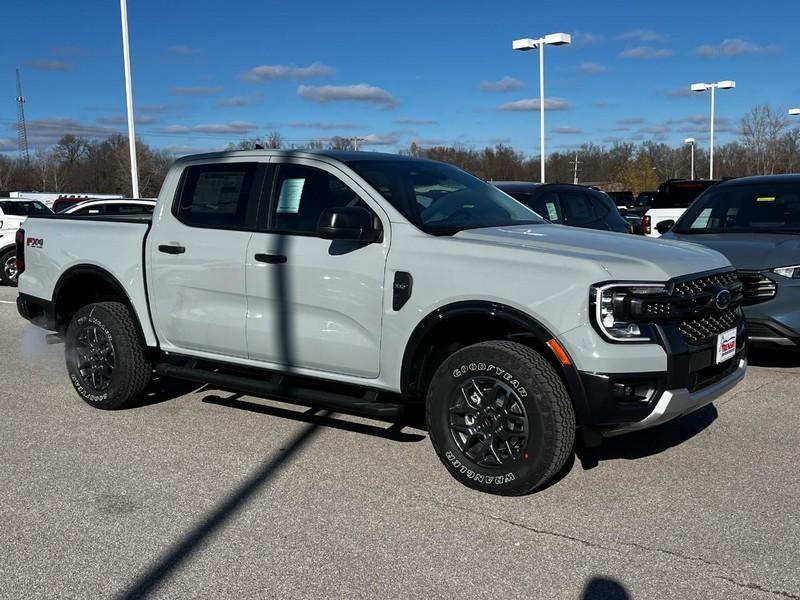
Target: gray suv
point(755, 223)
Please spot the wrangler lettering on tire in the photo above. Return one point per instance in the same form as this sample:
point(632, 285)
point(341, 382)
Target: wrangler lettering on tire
point(500, 418)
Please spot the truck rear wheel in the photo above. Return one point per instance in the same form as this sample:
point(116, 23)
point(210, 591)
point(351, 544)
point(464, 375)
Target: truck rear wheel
point(105, 359)
point(500, 418)
point(8, 267)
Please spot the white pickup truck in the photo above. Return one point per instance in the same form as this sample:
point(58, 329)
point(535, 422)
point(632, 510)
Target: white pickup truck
point(373, 283)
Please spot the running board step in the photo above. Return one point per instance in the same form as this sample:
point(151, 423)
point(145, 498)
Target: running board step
point(293, 392)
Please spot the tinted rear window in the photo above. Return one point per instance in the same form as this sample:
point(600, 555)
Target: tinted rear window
point(680, 194)
point(23, 209)
point(217, 196)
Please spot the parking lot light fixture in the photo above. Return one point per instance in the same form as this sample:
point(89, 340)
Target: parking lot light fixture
point(523, 44)
point(794, 112)
point(726, 84)
point(691, 141)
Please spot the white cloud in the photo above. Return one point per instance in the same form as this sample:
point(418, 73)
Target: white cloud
point(44, 64)
point(646, 52)
point(374, 139)
point(360, 92)
point(236, 127)
point(642, 35)
point(239, 101)
point(585, 38)
point(264, 73)
point(324, 125)
point(200, 90)
point(506, 84)
point(566, 130)
point(532, 104)
point(413, 121)
point(590, 68)
point(734, 47)
point(182, 50)
point(123, 120)
point(631, 121)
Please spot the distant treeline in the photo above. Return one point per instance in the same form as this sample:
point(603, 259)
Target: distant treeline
point(765, 145)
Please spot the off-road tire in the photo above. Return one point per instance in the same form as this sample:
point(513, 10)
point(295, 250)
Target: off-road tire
point(131, 371)
point(4, 257)
point(522, 372)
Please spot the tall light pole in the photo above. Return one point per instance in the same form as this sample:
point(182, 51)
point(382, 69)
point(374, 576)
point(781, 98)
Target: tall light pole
point(552, 39)
point(690, 141)
point(126, 53)
point(702, 87)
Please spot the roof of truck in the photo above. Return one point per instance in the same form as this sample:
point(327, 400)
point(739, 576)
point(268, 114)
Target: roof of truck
point(340, 155)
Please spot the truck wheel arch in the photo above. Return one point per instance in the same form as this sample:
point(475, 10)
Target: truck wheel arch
point(455, 325)
point(95, 285)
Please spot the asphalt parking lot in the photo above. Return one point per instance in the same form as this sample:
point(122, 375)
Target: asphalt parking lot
point(200, 493)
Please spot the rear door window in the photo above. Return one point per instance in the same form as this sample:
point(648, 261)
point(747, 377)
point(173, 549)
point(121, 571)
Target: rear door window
point(220, 196)
point(577, 208)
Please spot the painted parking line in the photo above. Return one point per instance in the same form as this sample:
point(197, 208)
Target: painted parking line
point(7, 302)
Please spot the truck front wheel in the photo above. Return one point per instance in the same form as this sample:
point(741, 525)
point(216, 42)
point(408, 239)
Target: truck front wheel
point(105, 359)
point(500, 418)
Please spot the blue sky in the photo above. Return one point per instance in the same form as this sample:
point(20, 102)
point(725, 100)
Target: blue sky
point(208, 73)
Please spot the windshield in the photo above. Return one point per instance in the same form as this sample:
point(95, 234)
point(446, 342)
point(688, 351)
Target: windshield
point(745, 209)
point(23, 209)
point(441, 199)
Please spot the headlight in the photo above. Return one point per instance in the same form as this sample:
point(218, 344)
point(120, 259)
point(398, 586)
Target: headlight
point(617, 308)
point(790, 272)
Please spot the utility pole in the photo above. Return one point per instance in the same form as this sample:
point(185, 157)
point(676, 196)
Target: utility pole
point(355, 141)
point(575, 163)
point(22, 132)
point(126, 55)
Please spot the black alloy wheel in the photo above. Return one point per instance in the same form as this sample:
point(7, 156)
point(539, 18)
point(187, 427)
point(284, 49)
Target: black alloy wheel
point(488, 422)
point(95, 357)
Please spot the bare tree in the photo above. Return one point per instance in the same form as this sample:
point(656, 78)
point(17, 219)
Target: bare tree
point(761, 131)
point(274, 141)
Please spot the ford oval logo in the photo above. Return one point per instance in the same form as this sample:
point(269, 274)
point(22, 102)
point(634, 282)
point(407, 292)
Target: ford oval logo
point(722, 299)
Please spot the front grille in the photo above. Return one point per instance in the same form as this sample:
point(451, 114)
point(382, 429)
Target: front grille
point(704, 284)
point(757, 287)
point(701, 330)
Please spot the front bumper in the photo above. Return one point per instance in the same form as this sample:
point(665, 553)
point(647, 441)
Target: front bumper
point(691, 379)
point(679, 402)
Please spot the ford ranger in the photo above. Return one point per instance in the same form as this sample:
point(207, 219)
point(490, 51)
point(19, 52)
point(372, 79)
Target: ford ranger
point(365, 283)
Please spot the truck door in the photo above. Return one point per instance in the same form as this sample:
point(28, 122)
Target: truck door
point(197, 251)
point(312, 303)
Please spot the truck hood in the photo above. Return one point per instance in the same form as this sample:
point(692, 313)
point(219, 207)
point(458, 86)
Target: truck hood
point(623, 256)
point(750, 251)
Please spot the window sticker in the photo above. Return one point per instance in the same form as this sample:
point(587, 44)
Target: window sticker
point(701, 222)
point(289, 198)
point(552, 215)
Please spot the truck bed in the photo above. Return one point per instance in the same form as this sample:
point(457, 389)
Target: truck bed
point(56, 243)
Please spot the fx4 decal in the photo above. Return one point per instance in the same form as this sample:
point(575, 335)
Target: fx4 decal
point(34, 242)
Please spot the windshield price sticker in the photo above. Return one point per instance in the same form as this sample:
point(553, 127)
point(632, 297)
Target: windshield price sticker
point(726, 345)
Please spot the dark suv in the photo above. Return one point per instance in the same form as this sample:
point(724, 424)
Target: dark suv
point(755, 223)
point(567, 204)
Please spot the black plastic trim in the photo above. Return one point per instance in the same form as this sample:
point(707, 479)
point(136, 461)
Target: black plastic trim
point(502, 313)
point(97, 271)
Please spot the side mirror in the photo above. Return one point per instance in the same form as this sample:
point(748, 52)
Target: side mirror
point(665, 226)
point(347, 223)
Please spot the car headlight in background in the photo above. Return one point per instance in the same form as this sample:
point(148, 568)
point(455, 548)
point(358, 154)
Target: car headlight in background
point(790, 272)
point(617, 310)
